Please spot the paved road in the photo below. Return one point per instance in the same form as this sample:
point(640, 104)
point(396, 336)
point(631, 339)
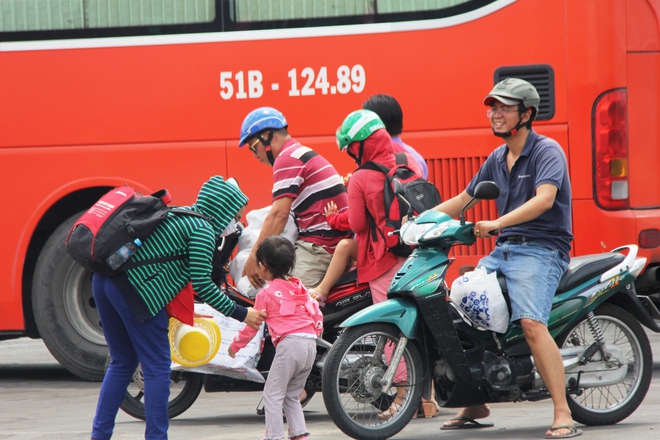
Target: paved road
point(41, 400)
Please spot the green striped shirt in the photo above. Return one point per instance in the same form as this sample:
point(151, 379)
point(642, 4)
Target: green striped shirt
point(193, 238)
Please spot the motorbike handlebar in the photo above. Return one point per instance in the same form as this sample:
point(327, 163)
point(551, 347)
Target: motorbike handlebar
point(494, 232)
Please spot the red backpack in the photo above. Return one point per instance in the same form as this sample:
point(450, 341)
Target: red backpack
point(105, 237)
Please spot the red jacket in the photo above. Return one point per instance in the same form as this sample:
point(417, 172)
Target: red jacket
point(339, 221)
point(365, 192)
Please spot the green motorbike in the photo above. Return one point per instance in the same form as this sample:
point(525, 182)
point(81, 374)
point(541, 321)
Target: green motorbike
point(419, 340)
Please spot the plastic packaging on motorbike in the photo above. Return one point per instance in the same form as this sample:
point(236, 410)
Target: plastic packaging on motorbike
point(244, 366)
point(249, 236)
point(479, 296)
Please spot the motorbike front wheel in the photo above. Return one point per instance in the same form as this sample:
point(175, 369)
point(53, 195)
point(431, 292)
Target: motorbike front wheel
point(607, 405)
point(352, 389)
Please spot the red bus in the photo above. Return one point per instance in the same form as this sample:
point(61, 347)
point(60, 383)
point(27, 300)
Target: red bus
point(99, 93)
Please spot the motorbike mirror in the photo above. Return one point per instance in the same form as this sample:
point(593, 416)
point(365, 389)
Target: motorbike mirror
point(486, 190)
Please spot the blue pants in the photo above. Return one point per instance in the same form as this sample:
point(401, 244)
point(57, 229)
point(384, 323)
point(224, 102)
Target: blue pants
point(131, 342)
point(532, 274)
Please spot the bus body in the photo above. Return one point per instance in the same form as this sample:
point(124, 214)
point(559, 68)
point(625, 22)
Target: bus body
point(87, 104)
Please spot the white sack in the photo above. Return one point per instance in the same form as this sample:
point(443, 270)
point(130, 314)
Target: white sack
point(244, 365)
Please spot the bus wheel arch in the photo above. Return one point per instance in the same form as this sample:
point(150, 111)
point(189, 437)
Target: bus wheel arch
point(59, 297)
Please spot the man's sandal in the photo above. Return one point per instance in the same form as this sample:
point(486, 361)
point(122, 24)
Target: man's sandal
point(468, 423)
point(573, 431)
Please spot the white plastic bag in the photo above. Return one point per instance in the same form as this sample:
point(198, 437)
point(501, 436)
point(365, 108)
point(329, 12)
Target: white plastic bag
point(244, 365)
point(236, 267)
point(246, 288)
point(480, 297)
point(249, 236)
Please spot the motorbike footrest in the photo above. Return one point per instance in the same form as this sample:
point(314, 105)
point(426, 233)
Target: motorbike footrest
point(534, 396)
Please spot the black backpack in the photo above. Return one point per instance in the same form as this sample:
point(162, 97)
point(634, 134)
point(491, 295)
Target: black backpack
point(419, 192)
point(105, 237)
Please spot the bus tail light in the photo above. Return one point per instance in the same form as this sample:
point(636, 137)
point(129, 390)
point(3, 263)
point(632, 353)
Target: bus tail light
point(610, 150)
point(649, 238)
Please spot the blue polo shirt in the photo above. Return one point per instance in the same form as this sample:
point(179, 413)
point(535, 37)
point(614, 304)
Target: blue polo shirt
point(542, 161)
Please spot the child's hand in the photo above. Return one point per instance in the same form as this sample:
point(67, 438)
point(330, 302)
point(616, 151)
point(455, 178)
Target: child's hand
point(346, 179)
point(232, 353)
point(330, 209)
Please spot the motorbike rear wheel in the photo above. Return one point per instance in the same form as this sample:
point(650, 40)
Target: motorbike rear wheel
point(608, 405)
point(352, 391)
point(184, 390)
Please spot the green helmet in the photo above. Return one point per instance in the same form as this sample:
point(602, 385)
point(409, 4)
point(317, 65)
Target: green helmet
point(357, 126)
point(513, 90)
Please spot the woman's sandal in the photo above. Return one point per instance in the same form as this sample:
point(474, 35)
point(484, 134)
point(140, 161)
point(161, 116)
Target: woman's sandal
point(389, 413)
point(430, 408)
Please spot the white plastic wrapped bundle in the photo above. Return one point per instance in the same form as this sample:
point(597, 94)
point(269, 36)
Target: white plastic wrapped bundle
point(246, 241)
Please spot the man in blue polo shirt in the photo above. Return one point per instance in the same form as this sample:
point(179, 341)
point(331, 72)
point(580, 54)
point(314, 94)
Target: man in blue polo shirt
point(534, 239)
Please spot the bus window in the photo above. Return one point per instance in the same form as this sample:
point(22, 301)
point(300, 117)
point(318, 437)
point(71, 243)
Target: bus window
point(249, 11)
point(267, 10)
point(394, 6)
point(49, 15)
point(22, 20)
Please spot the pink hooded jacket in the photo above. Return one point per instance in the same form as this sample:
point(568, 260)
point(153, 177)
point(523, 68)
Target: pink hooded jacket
point(365, 193)
point(290, 310)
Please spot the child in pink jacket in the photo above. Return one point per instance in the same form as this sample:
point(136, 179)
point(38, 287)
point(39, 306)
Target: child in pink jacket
point(294, 322)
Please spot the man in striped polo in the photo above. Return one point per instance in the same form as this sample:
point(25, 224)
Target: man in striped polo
point(304, 183)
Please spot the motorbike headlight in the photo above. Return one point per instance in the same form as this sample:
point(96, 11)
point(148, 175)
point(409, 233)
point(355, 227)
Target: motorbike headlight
point(434, 232)
point(412, 232)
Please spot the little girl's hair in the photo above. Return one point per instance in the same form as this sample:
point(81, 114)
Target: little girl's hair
point(277, 254)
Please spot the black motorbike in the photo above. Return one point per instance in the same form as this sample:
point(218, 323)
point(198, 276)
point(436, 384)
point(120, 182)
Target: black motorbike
point(346, 298)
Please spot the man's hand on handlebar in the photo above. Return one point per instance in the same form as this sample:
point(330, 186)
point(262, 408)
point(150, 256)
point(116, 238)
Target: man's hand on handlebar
point(486, 229)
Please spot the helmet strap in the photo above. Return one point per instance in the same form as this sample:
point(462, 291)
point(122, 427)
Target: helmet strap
point(361, 154)
point(358, 158)
point(266, 143)
point(511, 132)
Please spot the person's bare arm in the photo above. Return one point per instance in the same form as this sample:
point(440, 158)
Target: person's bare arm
point(537, 205)
point(274, 224)
point(452, 207)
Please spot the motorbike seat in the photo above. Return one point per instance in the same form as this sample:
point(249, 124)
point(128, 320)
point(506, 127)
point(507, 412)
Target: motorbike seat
point(346, 278)
point(580, 269)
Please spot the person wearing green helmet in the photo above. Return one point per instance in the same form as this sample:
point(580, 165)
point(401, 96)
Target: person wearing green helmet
point(358, 126)
point(363, 136)
point(533, 235)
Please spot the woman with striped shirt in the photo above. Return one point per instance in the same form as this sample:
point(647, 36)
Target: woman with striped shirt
point(132, 304)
